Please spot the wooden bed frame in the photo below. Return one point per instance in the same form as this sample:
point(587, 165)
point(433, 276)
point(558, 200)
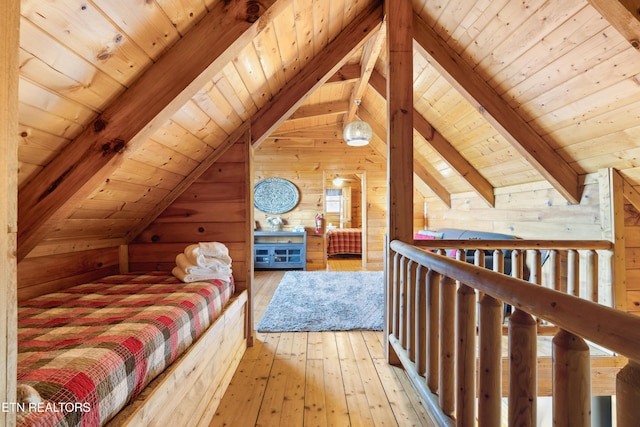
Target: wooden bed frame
point(189, 391)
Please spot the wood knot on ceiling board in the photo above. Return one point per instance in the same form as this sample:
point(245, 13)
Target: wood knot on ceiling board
point(253, 11)
point(104, 55)
point(99, 125)
point(116, 145)
point(55, 184)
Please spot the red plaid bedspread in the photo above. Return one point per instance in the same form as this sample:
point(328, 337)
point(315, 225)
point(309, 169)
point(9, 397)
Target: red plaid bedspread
point(344, 241)
point(90, 349)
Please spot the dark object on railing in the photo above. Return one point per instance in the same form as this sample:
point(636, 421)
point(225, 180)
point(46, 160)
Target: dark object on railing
point(461, 234)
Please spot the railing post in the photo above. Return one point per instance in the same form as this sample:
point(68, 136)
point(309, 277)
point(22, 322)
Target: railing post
point(536, 267)
point(433, 342)
point(466, 357)
point(523, 387)
point(573, 276)
point(554, 267)
point(395, 295)
point(571, 381)
point(498, 261)
point(420, 326)
point(591, 279)
point(490, 363)
point(628, 395)
point(517, 263)
point(410, 318)
point(447, 344)
point(478, 258)
point(402, 304)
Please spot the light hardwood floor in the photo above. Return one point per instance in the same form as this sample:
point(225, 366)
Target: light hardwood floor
point(316, 378)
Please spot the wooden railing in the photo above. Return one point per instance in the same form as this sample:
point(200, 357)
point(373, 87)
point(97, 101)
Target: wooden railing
point(438, 335)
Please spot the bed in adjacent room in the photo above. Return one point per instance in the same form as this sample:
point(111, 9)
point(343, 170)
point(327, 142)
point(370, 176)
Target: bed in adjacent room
point(91, 349)
point(344, 241)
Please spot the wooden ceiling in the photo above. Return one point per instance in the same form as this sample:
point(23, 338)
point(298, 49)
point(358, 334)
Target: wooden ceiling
point(123, 104)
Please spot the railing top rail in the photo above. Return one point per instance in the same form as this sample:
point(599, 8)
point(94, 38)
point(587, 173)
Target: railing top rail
point(515, 244)
point(613, 329)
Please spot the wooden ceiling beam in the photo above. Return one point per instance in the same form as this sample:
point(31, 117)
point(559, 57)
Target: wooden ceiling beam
point(369, 58)
point(315, 73)
point(310, 134)
point(135, 115)
point(317, 110)
point(449, 154)
point(623, 15)
point(420, 169)
point(497, 112)
point(346, 73)
point(399, 51)
point(328, 127)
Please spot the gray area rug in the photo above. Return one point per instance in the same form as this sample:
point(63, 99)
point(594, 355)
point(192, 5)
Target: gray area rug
point(326, 301)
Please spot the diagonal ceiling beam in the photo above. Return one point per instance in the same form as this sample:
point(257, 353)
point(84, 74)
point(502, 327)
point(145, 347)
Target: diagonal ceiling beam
point(134, 116)
point(419, 169)
point(497, 112)
point(347, 72)
point(315, 73)
point(623, 15)
point(454, 159)
point(369, 58)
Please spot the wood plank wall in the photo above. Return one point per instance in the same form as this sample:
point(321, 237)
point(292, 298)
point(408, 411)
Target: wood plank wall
point(530, 211)
point(304, 164)
point(632, 242)
point(46, 274)
point(214, 208)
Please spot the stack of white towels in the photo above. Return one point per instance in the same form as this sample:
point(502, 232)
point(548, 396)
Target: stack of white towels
point(203, 261)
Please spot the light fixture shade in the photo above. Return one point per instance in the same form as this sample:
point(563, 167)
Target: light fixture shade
point(357, 133)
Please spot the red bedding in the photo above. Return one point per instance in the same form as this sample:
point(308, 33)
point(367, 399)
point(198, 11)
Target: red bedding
point(91, 349)
point(344, 241)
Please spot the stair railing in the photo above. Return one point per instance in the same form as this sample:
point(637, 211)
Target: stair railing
point(438, 335)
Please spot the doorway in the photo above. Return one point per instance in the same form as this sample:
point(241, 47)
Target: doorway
point(344, 205)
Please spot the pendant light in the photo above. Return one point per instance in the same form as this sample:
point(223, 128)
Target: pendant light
point(357, 133)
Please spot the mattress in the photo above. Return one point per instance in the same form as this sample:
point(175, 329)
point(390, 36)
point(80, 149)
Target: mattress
point(91, 349)
point(344, 241)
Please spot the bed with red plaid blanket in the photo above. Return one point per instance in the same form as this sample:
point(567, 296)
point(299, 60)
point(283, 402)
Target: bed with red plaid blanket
point(344, 241)
point(90, 349)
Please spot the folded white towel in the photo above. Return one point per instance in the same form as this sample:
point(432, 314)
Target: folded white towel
point(187, 278)
point(214, 265)
point(213, 249)
point(196, 257)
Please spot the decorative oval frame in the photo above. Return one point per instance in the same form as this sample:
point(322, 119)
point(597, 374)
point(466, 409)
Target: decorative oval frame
point(275, 195)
